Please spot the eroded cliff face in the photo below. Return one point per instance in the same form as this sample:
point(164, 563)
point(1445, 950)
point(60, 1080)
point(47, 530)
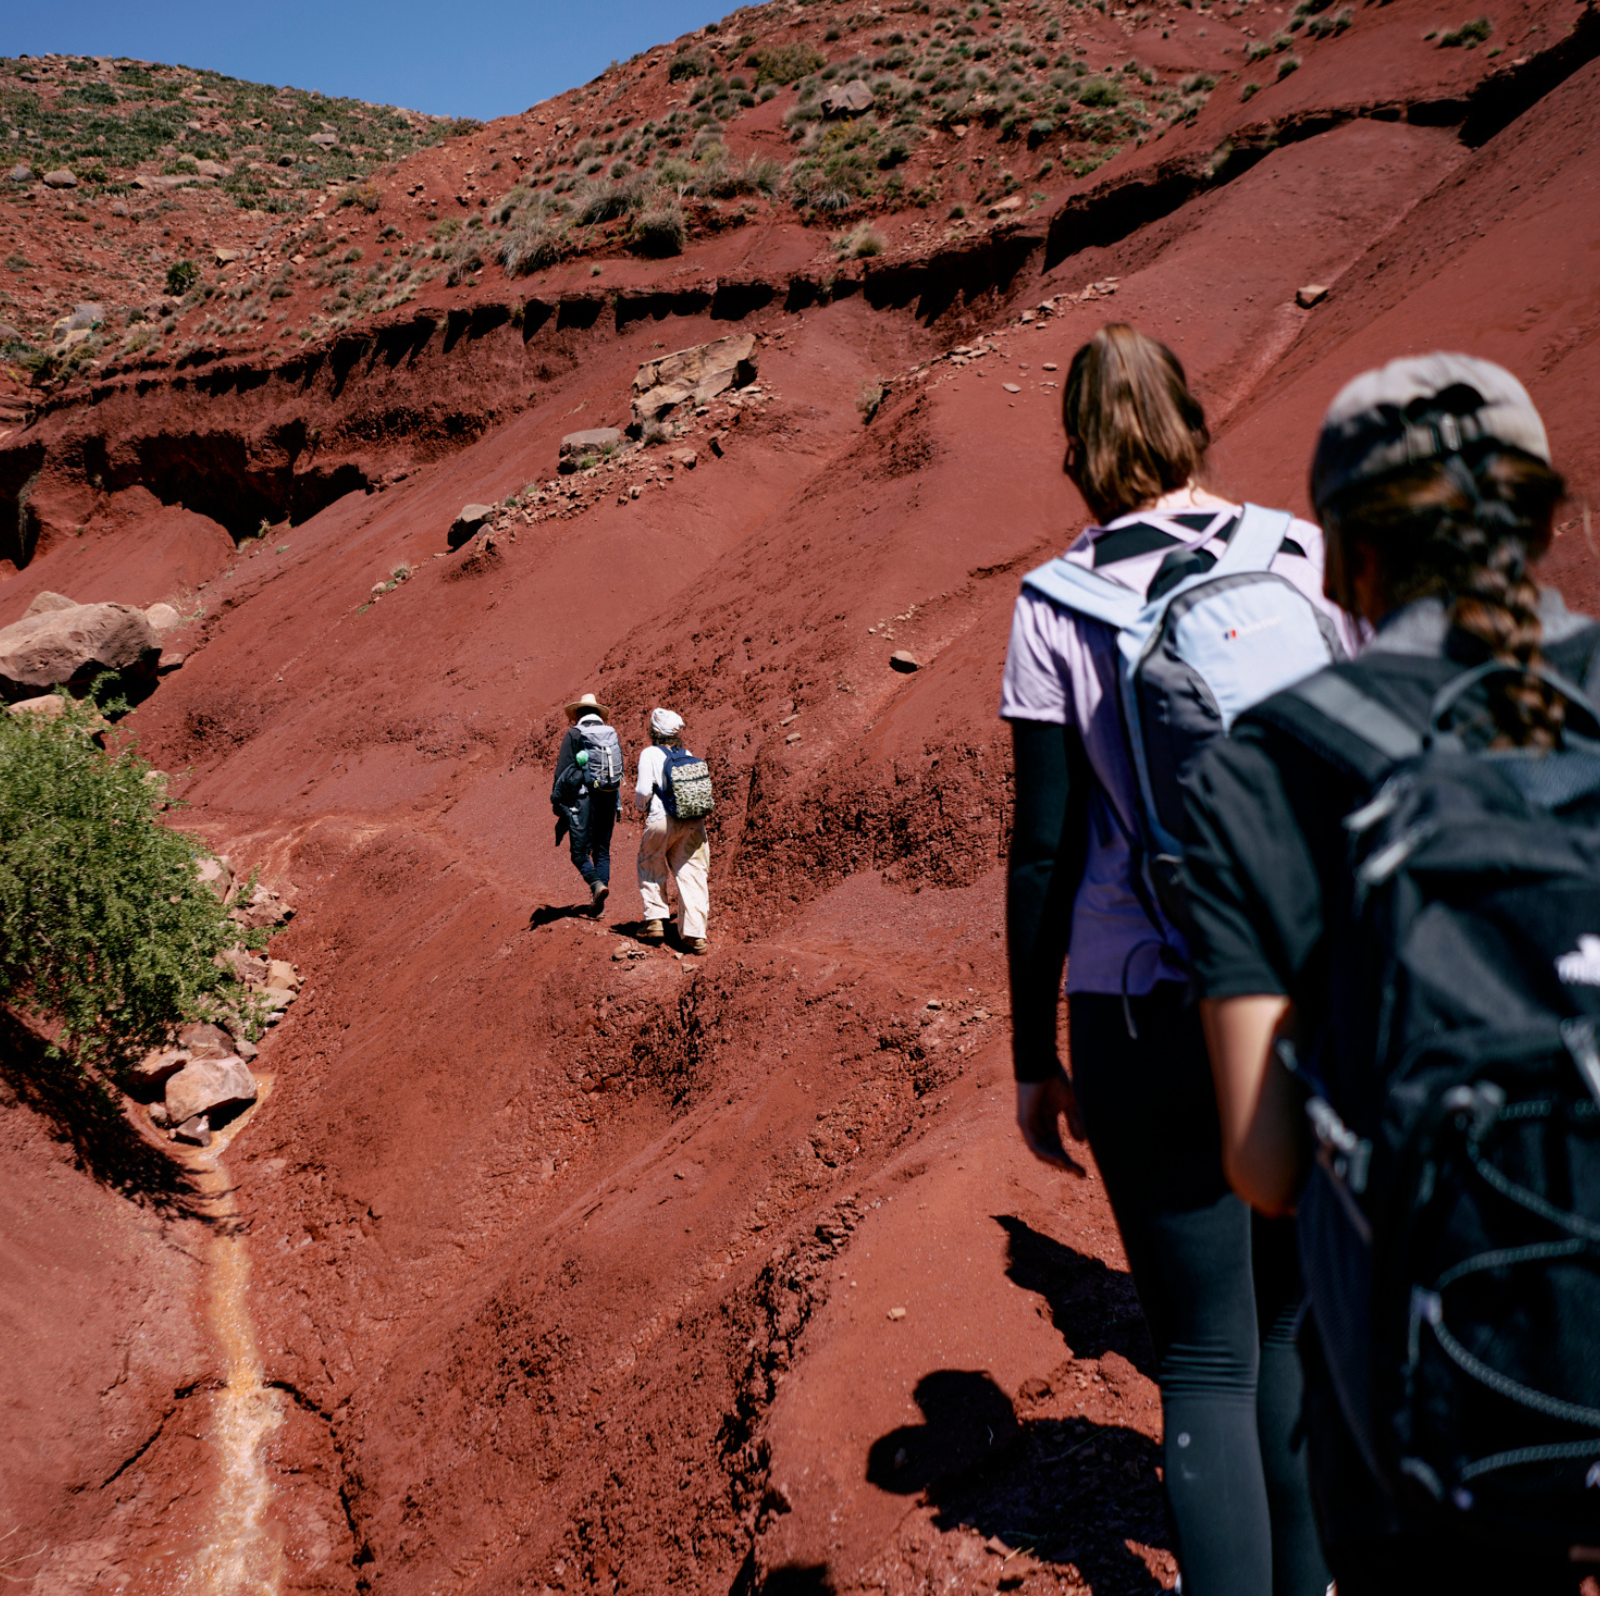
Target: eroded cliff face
point(575, 1262)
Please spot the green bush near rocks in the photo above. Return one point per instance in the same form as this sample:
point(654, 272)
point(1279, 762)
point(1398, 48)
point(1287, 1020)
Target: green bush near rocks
point(105, 929)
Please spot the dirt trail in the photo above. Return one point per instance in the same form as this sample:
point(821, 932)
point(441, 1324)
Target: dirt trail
point(571, 1265)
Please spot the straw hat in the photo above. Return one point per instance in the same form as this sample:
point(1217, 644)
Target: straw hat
point(587, 702)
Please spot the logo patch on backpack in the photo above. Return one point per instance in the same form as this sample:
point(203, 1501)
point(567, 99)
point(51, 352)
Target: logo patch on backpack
point(1583, 964)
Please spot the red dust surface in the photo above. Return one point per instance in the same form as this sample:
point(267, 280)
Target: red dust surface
point(584, 1266)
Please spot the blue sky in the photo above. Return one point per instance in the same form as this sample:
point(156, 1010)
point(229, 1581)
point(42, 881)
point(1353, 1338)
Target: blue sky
point(465, 58)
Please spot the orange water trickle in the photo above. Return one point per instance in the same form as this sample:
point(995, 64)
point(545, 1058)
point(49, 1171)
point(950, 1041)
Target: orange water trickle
point(242, 1551)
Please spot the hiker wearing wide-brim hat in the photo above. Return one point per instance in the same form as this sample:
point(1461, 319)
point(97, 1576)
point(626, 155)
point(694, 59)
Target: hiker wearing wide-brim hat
point(586, 793)
point(583, 706)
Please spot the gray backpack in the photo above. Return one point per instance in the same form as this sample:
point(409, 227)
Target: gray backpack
point(1192, 659)
point(604, 748)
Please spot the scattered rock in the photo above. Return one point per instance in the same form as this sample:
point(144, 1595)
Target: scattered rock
point(587, 442)
point(904, 661)
point(195, 1130)
point(246, 1050)
point(156, 1068)
point(81, 319)
point(686, 459)
point(205, 1040)
point(215, 875)
point(119, 208)
point(714, 445)
point(1310, 294)
point(61, 178)
point(162, 616)
point(266, 909)
point(847, 99)
point(897, 1313)
point(247, 965)
point(277, 999)
point(212, 1083)
point(1001, 207)
point(215, 169)
point(1012, 388)
point(934, 1005)
point(73, 646)
point(21, 173)
point(326, 140)
point(697, 374)
point(468, 520)
point(169, 661)
point(1049, 366)
point(47, 706)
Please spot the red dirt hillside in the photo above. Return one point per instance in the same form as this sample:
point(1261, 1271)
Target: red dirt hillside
point(583, 1267)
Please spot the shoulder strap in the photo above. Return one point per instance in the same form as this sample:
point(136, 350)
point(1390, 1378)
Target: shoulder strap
point(1343, 724)
point(1087, 592)
point(1255, 541)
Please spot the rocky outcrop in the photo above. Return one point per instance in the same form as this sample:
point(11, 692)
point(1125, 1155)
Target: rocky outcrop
point(73, 646)
point(578, 448)
point(696, 375)
point(468, 521)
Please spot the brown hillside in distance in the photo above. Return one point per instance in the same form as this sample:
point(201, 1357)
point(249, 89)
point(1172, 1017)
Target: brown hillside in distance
point(575, 1262)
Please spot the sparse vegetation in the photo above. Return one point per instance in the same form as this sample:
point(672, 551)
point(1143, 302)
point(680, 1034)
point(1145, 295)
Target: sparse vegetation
point(106, 929)
point(1469, 35)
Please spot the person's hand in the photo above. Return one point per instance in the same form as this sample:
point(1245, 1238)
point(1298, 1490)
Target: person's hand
point(1040, 1110)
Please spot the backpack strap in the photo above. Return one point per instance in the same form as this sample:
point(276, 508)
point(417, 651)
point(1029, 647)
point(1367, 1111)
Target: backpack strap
point(1087, 592)
point(1343, 724)
point(1257, 539)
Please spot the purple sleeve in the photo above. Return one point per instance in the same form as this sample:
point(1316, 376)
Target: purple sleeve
point(1036, 687)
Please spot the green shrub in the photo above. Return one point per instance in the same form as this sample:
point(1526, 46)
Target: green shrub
point(1469, 34)
point(787, 63)
point(104, 927)
point(181, 277)
point(688, 65)
point(659, 230)
point(1249, 91)
point(1099, 92)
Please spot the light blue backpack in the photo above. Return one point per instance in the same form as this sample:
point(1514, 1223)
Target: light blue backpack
point(1191, 660)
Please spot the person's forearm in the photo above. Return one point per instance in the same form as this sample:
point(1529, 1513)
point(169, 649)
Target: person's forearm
point(1048, 843)
point(1260, 1105)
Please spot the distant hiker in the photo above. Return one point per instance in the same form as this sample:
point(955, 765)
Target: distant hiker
point(1394, 886)
point(674, 794)
point(587, 793)
point(1227, 598)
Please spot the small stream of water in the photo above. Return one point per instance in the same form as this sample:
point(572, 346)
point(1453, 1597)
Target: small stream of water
point(242, 1548)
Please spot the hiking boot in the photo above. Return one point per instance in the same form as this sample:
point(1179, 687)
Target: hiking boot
point(597, 897)
point(696, 947)
point(653, 932)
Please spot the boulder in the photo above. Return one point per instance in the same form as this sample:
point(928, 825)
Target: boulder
point(281, 975)
point(73, 646)
point(697, 374)
point(468, 520)
point(157, 1068)
point(207, 1040)
point(215, 169)
point(1310, 294)
point(48, 600)
point(325, 140)
point(61, 178)
point(904, 661)
point(587, 442)
point(47, 706)
point(847, 99)
point(21, 173)
point(81, 320)
point(1001, 207)
point(212, 1083)
point(162, 616)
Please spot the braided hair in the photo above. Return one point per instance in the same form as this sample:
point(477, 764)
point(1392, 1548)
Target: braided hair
point(1466, 527)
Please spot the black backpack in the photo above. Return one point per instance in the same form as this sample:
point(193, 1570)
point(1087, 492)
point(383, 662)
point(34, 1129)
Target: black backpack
point(1450, 1232)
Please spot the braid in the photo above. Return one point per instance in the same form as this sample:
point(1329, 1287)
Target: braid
point(1466, 528)
point(1483, 559)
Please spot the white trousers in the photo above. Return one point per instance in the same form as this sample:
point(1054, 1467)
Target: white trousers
point(681, 850)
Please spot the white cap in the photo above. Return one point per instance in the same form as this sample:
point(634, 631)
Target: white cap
point(664, 722)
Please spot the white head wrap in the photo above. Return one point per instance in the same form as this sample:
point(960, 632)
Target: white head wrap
point(665, 723)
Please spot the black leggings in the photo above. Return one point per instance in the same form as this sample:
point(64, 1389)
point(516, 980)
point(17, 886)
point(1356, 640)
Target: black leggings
point(1220, 1289)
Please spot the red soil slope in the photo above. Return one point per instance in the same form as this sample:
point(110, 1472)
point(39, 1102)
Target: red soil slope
point(579, 1268)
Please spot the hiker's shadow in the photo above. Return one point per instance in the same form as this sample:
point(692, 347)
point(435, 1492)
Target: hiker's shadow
point(543, 916)
point(1094, 1307)
point(1064, 1490)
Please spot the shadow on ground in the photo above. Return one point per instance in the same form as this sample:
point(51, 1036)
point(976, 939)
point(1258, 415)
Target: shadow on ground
point(82, 1111)
point(1065, 1491)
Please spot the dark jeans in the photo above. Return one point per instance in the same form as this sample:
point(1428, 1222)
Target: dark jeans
point(593, 816)
point(1220, 1289)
